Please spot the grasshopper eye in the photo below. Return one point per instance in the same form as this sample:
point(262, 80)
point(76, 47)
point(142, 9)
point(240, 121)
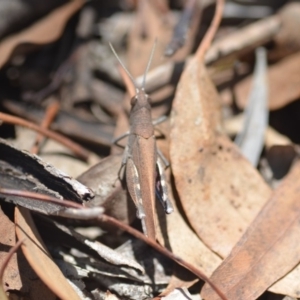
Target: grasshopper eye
point(133, 100)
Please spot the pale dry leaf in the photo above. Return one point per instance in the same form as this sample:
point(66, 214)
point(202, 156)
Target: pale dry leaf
point(267, 251)
point(43, 31)
point(219, 190)
point(39, 258)
point(272, 137)
point(251, 138)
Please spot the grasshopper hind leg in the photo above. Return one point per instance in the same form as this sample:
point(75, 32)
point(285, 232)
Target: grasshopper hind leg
point(134, 188)
point(161, 189)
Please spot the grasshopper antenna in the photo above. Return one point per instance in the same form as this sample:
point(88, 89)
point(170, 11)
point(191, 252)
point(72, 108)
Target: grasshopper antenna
point(123, 66)
point(149, 63)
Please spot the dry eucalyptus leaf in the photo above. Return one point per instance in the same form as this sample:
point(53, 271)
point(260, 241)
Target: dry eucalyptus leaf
point(53, 24)
point(39, 258)
point(219, 190)
point(267, 251)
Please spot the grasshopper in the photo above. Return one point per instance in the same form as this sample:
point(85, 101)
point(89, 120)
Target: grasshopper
point(143, 162)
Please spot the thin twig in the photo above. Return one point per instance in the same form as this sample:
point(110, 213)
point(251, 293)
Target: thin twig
point(72, 210)
point(41, 197)
point(77, 149)
point(207, 40)
point(8, 257)
point(50, 114)
point(164, 251)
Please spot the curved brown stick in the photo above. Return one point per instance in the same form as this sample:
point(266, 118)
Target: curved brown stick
point(207, 40)
point(73, 210)
point(8, 257)
point(77, 149)
point(41, 197)
point(50, 115)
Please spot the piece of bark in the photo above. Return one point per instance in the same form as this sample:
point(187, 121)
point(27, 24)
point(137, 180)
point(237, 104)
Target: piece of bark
point(29, 173)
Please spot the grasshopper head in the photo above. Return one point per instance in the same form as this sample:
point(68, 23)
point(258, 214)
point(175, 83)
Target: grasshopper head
point(140, 99)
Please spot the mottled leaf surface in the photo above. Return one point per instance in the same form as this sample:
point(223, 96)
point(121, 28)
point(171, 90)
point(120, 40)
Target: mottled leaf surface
point(219, 190)
point(268, 250)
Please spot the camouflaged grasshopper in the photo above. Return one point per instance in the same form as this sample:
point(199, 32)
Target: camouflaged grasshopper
point(144, 171)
